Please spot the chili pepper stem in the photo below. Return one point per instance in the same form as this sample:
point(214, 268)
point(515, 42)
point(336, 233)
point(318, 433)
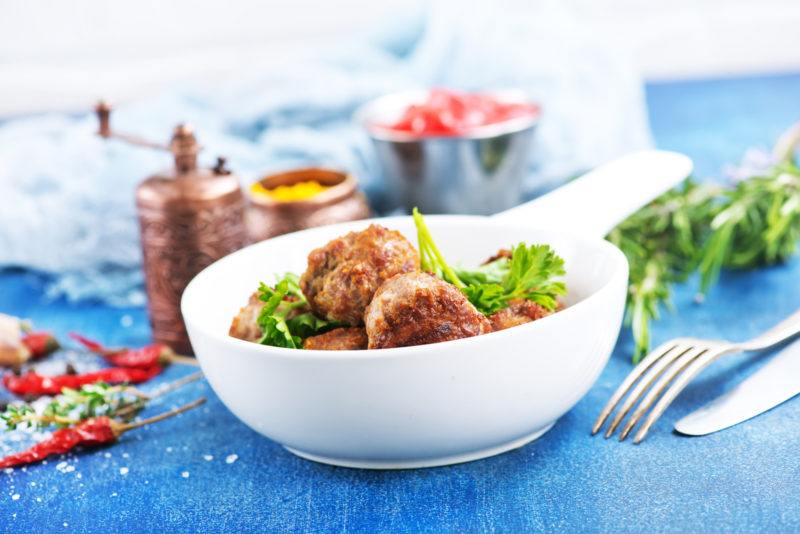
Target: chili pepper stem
point(122, 428)
point(176, 384)
point(163, 390)
point(49, 419)
point(180, 358)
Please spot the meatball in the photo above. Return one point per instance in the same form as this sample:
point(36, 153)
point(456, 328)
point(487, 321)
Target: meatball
point(245, 325)
point(519, 311)
point(343, 275)
point(419, 308)
point(346, 338)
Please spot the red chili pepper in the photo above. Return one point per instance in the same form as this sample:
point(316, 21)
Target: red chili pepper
point(40, 343)
point(141, 358)
point(34, 384)
point(89, 433)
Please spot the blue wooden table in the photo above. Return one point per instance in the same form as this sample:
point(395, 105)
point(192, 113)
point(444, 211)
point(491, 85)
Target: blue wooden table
point(208, 472)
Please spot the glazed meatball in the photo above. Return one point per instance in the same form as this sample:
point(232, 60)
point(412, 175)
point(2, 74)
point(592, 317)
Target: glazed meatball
point(343, 275)
point(245, 325)
point(519, 311)
point(347, 338)
point(419, 308)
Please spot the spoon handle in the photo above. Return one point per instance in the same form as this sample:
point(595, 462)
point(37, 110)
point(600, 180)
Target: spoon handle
point(599, 200)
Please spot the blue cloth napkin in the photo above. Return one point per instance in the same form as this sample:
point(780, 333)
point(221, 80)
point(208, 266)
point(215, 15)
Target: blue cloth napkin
point(67, 195)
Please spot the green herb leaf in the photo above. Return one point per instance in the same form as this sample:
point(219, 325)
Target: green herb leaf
point(530, 274)
point(281, 327)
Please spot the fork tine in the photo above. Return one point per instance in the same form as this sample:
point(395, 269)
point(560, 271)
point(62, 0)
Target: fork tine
point(638, 371)
point(675, 369)
point(655, 371)
point(680, 383)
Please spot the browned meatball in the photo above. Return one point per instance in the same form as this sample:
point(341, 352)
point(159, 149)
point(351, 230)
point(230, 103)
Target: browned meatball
point(519, 311)
point(347, 338)
point(245, 325)
point(419, 308)
point(343, 275)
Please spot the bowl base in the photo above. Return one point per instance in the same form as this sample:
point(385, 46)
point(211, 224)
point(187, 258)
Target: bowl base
point(425, 462)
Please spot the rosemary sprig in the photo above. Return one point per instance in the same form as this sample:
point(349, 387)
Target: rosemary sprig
point(73, 405)
point(91, 400)
point(706, 228)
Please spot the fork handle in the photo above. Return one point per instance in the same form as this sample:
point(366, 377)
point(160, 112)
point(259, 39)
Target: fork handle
point(780, 332)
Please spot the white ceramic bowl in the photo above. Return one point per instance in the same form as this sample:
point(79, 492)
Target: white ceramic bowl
point(433, 404)
point(415, 406)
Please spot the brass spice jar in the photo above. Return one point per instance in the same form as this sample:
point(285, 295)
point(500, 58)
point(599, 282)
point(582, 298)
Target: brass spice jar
point(341, 201)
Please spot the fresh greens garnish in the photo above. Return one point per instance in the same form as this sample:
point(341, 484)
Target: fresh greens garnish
point(431, 258)
point(492, 272)
point(277, 327)
point(530, 274)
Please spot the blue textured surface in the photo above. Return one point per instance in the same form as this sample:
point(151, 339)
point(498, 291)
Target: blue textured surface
point(745, 479)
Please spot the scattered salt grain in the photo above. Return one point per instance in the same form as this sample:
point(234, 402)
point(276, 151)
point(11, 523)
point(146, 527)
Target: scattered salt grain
point(33, 484)
point(169, 449)
point(15, 497)
point(78, 476)
point(66, 524)
point(126, 321)
point(64, 467)
point(208, 457)
point(114, 494)
point(123, 471)
point(126, 455)
point(107, 455)
point(231, 458)
point(9, 470)
point(38, 499)
point(185, 474)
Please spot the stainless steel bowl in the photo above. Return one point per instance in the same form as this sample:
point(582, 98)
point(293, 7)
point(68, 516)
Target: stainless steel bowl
point(480, 173)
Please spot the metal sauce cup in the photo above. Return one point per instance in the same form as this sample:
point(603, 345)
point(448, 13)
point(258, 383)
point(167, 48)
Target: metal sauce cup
point(479, 173)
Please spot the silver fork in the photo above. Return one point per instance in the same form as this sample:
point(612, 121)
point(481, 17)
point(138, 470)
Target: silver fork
point(673, 365)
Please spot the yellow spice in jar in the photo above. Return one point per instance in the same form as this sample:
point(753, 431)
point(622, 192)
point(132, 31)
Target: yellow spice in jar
point(290, 193)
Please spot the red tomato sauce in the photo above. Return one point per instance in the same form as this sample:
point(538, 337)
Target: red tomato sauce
point(452, 113)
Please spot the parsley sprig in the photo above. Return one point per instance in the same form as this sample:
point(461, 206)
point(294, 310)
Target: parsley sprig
point(532, 273)
point(280, 325)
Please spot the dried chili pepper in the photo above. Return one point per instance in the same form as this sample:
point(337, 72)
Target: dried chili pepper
point(141, 358)
point(33, 384)
point(89, 433)
point(40, 343)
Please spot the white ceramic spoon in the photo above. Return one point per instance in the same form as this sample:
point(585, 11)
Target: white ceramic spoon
point(448, 402)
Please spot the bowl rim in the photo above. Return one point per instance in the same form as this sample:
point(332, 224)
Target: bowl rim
point(620, 270)
point(363, 114)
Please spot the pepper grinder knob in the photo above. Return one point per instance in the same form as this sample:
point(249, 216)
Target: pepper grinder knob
point(103, 110)
point(185, 148)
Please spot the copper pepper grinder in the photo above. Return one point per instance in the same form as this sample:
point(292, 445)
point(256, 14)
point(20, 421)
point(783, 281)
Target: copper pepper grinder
point(189, 217)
